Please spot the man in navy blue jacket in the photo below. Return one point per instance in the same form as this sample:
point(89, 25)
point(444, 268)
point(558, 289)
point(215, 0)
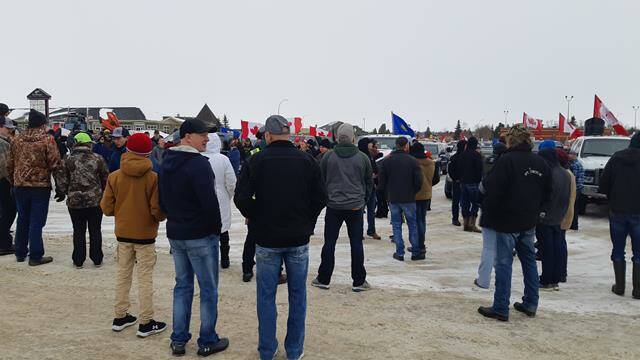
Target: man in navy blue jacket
point(188, 197)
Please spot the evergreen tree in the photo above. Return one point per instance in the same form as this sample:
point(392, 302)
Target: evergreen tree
point(225, 121)
point(375, 131)
point(497, 130)
point(383, 129)
point(428, 133)
point(458, 131)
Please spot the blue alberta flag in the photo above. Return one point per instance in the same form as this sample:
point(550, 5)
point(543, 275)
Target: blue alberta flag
point(400, 127)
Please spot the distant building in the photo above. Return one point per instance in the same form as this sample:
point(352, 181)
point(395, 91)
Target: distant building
point(131, 118)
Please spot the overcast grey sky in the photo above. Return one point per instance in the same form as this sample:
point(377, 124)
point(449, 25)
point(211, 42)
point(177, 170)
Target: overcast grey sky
point(428, 61)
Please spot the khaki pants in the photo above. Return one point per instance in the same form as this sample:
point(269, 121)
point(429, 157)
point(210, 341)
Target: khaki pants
point(145, 257)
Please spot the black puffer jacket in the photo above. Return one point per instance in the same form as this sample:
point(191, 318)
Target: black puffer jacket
point(454, 163)
point(515, 191)
point(400, 176)
point(471, 163)
point(620, 179)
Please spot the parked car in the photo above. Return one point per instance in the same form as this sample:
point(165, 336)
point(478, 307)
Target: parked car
point(439, 153)
point(593, 152)
point(386, 143)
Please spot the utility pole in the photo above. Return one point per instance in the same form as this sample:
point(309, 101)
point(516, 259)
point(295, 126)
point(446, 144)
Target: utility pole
point(568, 98)
point(506, 113)
point(635, 121)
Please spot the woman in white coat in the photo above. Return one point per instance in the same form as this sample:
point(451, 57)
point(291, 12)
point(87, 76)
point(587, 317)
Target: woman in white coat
point(225, 187)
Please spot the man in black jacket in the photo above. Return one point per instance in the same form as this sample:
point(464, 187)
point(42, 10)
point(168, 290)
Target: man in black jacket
point(365, 145)
point(619, 182)
point(281, 194)
point(470, 168)
point(515, 191)
point(188, 197)
point(401, 178)
point(453, 171)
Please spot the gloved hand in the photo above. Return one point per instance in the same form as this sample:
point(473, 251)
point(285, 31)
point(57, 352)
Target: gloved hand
point(59, 197)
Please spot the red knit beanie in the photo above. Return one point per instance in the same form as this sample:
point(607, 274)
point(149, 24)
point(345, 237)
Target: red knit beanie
point(139, 144)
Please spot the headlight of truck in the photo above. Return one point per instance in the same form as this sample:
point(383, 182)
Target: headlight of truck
point(588, 179)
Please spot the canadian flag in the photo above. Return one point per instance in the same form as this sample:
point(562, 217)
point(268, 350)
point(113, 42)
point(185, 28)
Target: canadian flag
point(602, 112)
point(295, 124)
point(565, 127)
point(249, 129)
point(530, 122)
point(313, 130)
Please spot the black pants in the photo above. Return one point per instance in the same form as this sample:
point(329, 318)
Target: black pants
point(224, 245)
point(576, 209)
point(7, 214)
point(81, 219)
point(382, 206)
point(332, 223)
point(249, 253)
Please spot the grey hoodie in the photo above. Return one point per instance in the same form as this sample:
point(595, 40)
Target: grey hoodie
point(347, 176)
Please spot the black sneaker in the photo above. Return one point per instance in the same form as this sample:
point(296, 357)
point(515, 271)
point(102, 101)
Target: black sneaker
point(178, 349)
point(44, 260)
point(150, 328)
point(549, 287)
point(360, 288)
point(224, 263)
point(398, 257)
point(319, 285)
point(220, 346)
point(422, 251)
point(488, 312)
point(122, 323)
point(563, 279)
point(246, 277)
point(20, 259)
point(456, 222)
point(520, 307)
point(421, 256)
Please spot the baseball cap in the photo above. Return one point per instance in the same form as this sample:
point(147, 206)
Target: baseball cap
point(120, 132)
point(8, 123)
point(276, 125)
point(82, 138)
point(194, 126)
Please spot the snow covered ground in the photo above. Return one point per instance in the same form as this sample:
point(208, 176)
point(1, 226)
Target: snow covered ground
point(452, 260)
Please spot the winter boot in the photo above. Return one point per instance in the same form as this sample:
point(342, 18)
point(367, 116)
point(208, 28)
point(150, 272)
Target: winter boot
point(472, 224)
point(465, 224)
point(636, 281)
point(619, 270)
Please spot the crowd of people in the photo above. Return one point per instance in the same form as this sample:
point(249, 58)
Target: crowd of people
point(280, 184)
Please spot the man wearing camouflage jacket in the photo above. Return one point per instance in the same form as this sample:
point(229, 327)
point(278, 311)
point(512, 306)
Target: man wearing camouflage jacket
point(34, 157)
point(82, 179)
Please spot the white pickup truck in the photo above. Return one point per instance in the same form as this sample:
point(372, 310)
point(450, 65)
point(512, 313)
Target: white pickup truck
point(593, 152)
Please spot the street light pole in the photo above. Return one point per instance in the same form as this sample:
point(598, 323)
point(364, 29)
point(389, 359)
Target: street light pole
point(281, 101)
point(568, 98)
point(506, 113)
point(635, 121)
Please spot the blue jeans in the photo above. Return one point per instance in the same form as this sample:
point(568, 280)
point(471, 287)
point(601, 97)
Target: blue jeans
point(455, 200)
point(488, 257)
point(268, 261)
point(621, 226)
point(199, 257)
point(522, 242)
point(371, 214)
point(33, 208)
point(421, 220)
point(469, 200)
point(409, 211)
point(332, 223)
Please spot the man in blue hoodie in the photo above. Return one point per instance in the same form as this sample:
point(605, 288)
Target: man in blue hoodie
point(188, 197)
point(119, 136)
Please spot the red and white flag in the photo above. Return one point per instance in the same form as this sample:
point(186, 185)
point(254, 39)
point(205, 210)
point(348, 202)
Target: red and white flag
point(313, 130)
point(564, 126)
point(249, 129)
point(602, 112)
point(295, 124)
point(531, 123)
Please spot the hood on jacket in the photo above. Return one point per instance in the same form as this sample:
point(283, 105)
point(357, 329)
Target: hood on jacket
point(417, 151)
point(177, 156)
point(34, 135)
point(363, 145)
point(214, 146)
point(345, 150)
point(135, 165)
point(550, 156)
point(461, 146)
point(499, 148)
point(472, 143)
